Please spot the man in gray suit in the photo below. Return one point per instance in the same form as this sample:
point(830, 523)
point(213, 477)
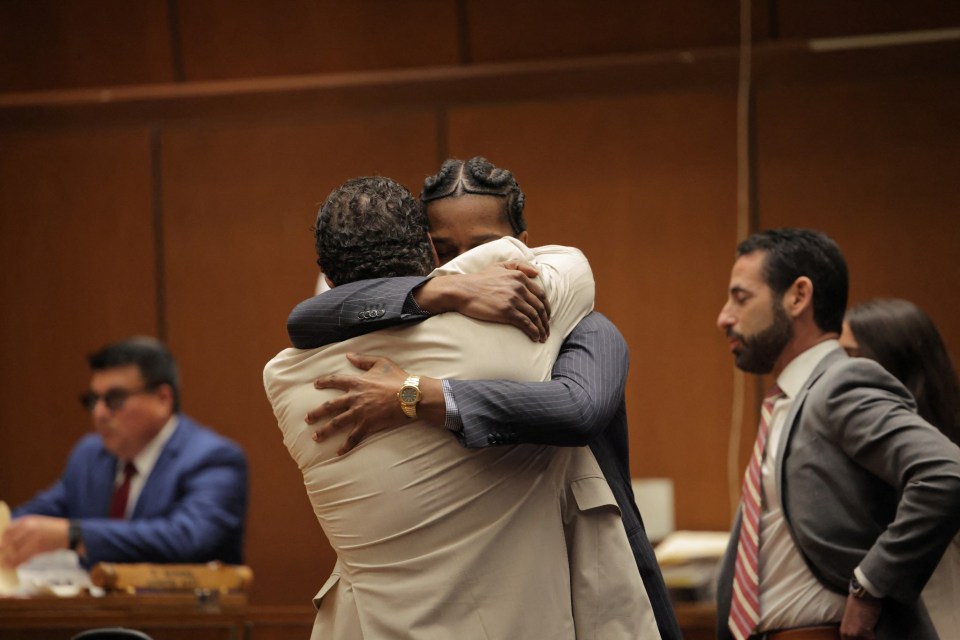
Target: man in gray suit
point(858, 496)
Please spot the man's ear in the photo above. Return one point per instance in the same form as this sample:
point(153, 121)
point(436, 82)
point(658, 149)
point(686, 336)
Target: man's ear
point(799, 297)
point(523, 238)
point(165, 393)
point(329, 282)
point(433, 249)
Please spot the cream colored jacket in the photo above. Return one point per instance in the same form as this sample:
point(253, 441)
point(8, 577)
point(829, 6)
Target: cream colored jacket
point(438, 541)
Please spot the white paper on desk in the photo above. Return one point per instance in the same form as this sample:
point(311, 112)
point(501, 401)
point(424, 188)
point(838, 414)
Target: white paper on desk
point(57, 572)
point(692, 546)
point(8, 577)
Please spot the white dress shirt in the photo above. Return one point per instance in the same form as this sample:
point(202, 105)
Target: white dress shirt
point(144, 462)
point(790, 595)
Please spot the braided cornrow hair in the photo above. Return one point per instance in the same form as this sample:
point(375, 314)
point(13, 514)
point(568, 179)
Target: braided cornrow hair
point(478, 176)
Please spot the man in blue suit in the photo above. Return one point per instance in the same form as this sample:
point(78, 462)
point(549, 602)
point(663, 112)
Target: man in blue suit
point(469, 203)
point(150, 485)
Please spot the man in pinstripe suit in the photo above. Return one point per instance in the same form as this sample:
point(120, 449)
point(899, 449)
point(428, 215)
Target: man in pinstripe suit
point(434, 540)
point(469, 203)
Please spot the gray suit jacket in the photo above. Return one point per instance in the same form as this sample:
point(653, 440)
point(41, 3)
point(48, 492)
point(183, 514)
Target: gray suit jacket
point(582, 405)
point(864, 481)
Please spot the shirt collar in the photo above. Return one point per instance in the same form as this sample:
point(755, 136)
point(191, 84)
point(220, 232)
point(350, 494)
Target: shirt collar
point(146, 459)
point(795, 374)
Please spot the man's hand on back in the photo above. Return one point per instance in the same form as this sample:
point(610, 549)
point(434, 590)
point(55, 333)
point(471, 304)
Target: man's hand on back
point(370, 403)
point(504, 293)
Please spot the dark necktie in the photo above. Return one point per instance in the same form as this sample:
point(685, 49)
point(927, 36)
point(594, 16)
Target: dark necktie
point(118, 505)
point(745, 604)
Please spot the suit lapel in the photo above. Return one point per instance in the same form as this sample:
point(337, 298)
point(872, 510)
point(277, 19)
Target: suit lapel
point(102, 481)
point(793, 417)
point(154, 489)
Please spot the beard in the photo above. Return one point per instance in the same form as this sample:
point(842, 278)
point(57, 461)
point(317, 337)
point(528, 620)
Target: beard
point(759, 352)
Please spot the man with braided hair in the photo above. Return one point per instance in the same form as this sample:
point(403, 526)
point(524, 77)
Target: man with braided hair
point(469, 203)
point(435, 540)
point(451, 231)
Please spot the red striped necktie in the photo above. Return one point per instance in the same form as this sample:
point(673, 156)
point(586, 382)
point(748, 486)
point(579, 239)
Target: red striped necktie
point(118, 505)
point(745, 603)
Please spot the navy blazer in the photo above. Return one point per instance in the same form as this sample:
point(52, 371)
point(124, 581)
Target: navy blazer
point(583, 404)
point(192, 507)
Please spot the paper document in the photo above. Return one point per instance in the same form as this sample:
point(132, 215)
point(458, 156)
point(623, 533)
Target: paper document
point(8, 577)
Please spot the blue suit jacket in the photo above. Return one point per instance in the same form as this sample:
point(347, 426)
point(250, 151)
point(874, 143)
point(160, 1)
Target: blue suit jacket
point(583, 404)
point(192, 507)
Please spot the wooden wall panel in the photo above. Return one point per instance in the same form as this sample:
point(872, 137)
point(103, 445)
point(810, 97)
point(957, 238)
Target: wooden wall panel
point(827, 18)
point(78, 264)
point(644, 182)
point(239, 201)
point(646, 187)
point(226, 39)
point(502, 30)
point(873, 164)
point(53, 44)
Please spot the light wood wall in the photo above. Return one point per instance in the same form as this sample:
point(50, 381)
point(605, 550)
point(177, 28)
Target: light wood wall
point(161, 163)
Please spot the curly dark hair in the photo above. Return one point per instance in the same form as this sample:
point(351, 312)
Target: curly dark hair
point(478, 176)
point(792, 253)
point(372, 227)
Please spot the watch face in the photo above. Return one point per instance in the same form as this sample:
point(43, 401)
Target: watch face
point(408, 395)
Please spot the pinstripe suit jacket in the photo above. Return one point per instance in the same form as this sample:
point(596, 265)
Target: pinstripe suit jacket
point(583, 404)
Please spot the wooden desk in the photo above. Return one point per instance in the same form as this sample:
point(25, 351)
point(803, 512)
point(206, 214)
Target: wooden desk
point(164, 617)
point(167, 617)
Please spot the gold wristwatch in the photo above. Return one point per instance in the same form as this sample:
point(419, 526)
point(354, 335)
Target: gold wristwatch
point(410, 395)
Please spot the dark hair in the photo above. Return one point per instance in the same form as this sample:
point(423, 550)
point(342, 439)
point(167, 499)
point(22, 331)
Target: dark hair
point(905, 341)
point(792, 253)
point(154, 361)
point(372, 227)
point(478, 176)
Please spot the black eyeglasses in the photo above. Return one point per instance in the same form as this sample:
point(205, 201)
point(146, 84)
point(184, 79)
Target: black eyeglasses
point(113, 398)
